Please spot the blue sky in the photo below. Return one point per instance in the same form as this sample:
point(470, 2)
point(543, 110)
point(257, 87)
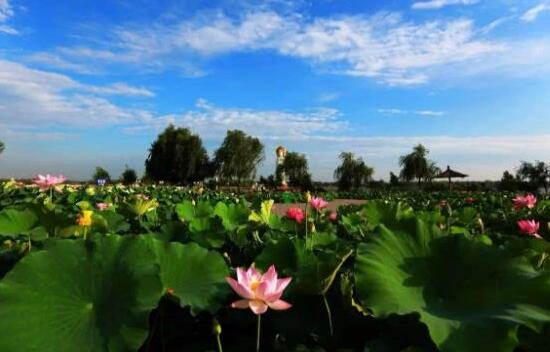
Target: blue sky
point(86, 83)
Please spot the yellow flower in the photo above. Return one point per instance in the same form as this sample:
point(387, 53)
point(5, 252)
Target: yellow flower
point(85, 218)
point(308, 197)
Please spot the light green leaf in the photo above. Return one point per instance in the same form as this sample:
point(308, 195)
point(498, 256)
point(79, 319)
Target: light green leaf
point(13, 222)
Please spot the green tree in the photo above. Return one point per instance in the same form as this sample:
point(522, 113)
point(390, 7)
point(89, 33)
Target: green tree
point(537, 174)
point(128, 176)
point(238, 156)
point(2, 147)
point(101, 174)
point(508, 182)
point(296, 168)
point(177, 156)
point(394, 179)
point(416, 165)
point(352, 172)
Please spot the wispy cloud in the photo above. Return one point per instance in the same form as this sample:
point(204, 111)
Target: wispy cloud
point(437, 4)
point(212, 121)
point(31, 97)
point(532, 14)
point(56, 61)
point(120, 88)
point(394, 111)
point(6, 12)
point(328, 97)
point(383, 46)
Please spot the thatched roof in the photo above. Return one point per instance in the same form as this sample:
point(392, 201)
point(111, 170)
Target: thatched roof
point(449, 173)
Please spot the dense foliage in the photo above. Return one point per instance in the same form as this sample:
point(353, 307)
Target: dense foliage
point(352, 173)
point(101, 174)
point(143, 268)
point(177, 156)
point(238, 156)
point(296, 169)
point(129, 176)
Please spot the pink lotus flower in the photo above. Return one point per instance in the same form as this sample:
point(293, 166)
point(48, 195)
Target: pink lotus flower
point(529, 201)
point(45, 182)
point(469, 200)
point(318, 203)
point(295, 214)
point(333, 216)
point(529, 227)
point(103, 206)
point(258, 291)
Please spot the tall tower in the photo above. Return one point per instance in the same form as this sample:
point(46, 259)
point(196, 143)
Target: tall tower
point(280, 152)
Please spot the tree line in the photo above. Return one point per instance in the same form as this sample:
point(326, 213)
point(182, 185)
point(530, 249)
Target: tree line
point(178, 156)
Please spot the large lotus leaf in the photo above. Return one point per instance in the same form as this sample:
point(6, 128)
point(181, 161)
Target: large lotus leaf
point(80, 296)
point(471, 295)
point(185, 210)
point(232, 215)
point(196, 275)
point(13, 222)
point(380, 212)
point(313, 272)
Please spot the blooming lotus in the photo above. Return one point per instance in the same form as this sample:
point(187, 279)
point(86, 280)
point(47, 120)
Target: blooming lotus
point(85, 218)
point(333, 216)
point(45, 182)
point(103, 206)
point(318, 203)
point(529, 227)
point(259, 292)
point(295, 214)
point(529, 201)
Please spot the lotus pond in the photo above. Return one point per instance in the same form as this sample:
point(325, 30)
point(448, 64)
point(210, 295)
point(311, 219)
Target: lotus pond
point(167, 269)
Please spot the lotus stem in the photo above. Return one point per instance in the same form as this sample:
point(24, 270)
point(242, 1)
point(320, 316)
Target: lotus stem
point(258, 333)
point(220, 349)
point(329, 315)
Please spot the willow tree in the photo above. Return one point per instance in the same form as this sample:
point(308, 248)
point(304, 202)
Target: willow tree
point(177, 156)
point(538, 174)
point(416, 165)
point(296, 168)
point(238, 157)
point(2, 147)
point(352, 173)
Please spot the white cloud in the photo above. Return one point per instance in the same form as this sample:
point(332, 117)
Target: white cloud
point(429, 113)
point(383, 46)
point(328, 97)
point(437, 4)
point(56, 61)
point(31, 97)
point(394, 111)
point(212, 122)
point(532, 14)
point(120, 89)
point(6, 12)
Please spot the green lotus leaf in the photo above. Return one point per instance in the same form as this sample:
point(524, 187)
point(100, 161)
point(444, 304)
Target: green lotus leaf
point(196, 275)
point(80, 296)
point(232, 215)
point(13, 222)
point(313, 272)
point(471, 295)
point(185, 210)
point(379, 212)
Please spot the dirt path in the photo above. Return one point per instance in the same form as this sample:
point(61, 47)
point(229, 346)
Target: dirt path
point(281, 208)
